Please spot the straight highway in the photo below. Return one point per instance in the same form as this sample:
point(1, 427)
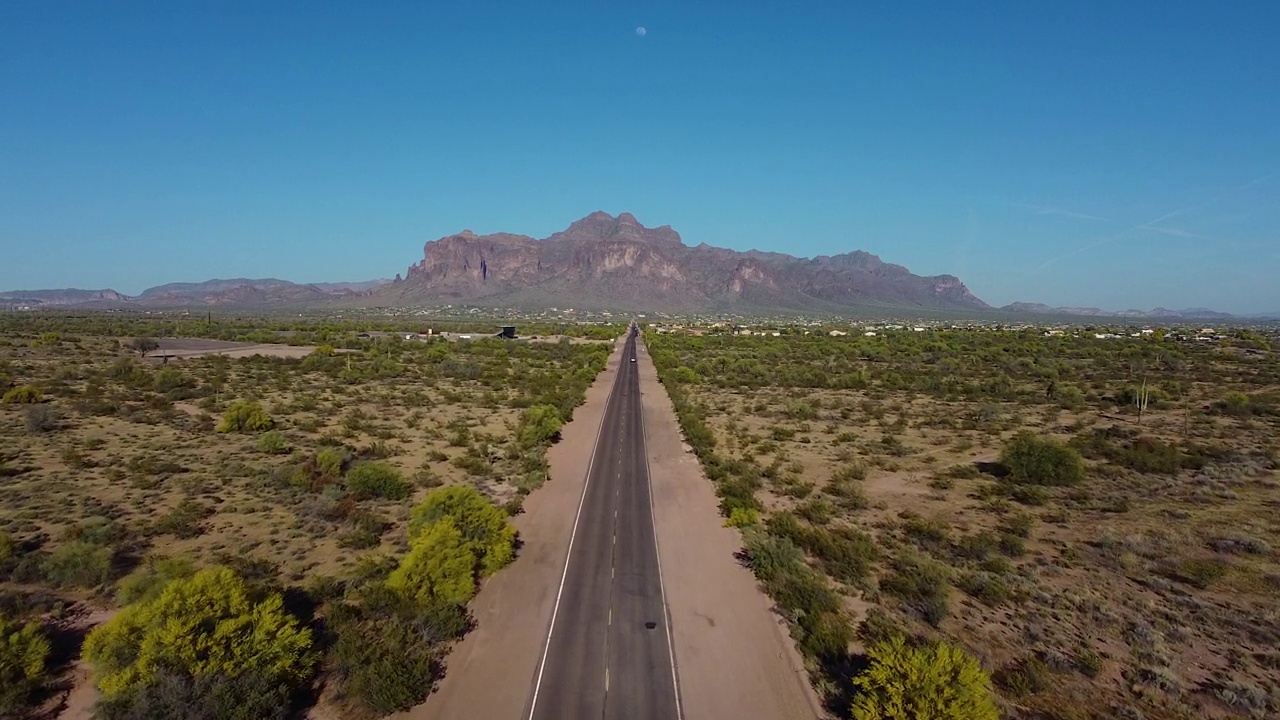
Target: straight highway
point(608, 651)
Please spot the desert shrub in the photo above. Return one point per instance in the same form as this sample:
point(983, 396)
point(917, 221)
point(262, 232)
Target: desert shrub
point(209, 624)
point(1147, 454)
point(8, 548)
point(184, 520)
point(771, 556)
point(923, 585)
point(817, 510)
point(169, 379)
point(272, 442)
point(933, 681)
point(247, 696)
point(1197, 572)
point(376, 480)
point(79, 563)
point(484, 526)
point(24, 650)
point(1233, 543)
point(1036, 460)
point(386, 652)
point(743, 517)
point(1023, 677)
point(991, 588)
point(440, 566)
point(878, 626)
point(329, 462)
point(1070, 397)
point(538, 425)
point(42, 419)
point(245, 416)
point(145, 583)
point(22, 395)
point(365, 531)
point(1088, 662)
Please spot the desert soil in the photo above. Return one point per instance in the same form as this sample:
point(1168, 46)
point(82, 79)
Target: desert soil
point(734, 656)
point(197, 347)
point(491, 672)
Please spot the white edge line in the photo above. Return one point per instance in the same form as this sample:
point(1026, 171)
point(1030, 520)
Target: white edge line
point(542, 664)
point(662, 587)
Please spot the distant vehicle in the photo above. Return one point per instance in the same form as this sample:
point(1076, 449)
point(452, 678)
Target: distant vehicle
point(633, 359)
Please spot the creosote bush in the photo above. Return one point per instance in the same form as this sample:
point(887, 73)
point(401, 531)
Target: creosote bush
point(1036, 460)
point(376, 480)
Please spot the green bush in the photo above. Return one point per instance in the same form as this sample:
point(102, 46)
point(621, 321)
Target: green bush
point(771, 556)
point(922, 584)
point(79, 564)
point(22, 395)
point(24, 650)
point(243, 696)
point(538, 425)
point(387, 649)
point(245, 416)
point(145, 583)
point(376, 480)
point(913, 683)
point(329, 462)
point(440, 566)
point(483, 525)
point(1036, 460)
point(743, 517)
point(169, 379)
point(209, 624)
point(272, 442)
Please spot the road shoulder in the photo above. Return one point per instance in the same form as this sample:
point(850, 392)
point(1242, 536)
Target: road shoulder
point(490, 673)
point(734, 656)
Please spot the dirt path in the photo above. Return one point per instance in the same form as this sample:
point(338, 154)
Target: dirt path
point(491, 672)
point(734, 656)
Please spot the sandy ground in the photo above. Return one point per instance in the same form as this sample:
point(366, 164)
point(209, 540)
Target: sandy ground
point(734, 656)
point(77, 702)
point(196, 347)
point(490, 673)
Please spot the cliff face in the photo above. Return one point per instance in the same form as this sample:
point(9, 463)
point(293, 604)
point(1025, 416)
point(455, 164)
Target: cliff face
point(620, 263)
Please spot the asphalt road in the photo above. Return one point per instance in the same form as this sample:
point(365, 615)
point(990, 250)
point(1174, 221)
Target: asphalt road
point(608, 651)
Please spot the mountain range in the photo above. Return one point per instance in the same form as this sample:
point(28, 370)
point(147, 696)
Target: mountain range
point(610, 262)
point(600, 262)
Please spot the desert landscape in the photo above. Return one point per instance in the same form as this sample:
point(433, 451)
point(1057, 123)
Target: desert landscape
point(125, 459)
point(1093, 519)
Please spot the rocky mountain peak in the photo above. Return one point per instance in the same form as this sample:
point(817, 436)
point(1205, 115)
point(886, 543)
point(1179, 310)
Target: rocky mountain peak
point(619, 263)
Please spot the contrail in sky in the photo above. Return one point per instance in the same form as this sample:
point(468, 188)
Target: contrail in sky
point(1045, 210)
point(1149, 225)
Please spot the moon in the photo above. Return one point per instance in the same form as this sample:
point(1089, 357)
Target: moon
point(641, 31)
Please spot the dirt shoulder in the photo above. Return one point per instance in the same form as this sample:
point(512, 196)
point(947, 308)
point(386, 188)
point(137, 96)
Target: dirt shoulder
point(734, 655)
point(491, 672)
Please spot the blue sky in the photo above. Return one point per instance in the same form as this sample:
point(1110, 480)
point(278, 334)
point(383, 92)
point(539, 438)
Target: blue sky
point(1079, 153)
